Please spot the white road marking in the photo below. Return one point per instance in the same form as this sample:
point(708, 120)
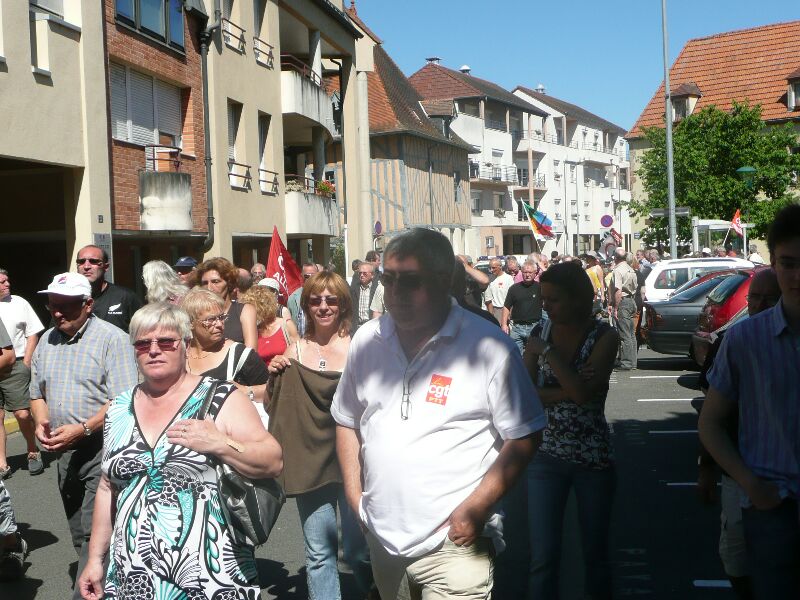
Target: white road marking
point(665, 399)
point(671, 431)
point(712, 583)
point(662, 376)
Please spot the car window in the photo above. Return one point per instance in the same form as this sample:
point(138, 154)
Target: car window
point(727, 288)
point(669, 279)
point(701, 289)
point(700, 271)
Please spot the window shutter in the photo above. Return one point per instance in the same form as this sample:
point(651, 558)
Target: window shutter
point(143, 127)
point(119, 102)
point(169, 110)
point(233, 126)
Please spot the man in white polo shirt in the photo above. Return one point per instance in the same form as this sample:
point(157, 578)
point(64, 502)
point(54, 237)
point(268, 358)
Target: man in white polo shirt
point(436, 404)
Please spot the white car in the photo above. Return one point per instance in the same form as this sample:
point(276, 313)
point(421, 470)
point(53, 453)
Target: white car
point(668, 275)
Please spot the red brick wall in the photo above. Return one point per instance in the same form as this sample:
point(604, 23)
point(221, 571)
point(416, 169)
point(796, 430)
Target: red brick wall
point(127, 47)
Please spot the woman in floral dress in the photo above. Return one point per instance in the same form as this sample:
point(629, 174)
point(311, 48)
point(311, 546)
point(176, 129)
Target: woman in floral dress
point(168, 537)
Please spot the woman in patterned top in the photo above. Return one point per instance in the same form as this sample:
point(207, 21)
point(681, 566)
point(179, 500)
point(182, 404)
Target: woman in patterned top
point(169, 537)
point(570, 359)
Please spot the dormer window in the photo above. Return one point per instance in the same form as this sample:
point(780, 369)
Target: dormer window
point(684, 99)
point(680, 108)
point(793, 94)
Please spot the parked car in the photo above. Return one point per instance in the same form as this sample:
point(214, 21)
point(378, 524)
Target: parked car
point(700, 278)
point(669, 275)
point(722, 305)
point(702, 341)
point(670, 324)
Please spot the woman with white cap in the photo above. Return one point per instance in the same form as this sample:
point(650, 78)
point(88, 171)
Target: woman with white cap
point(281, 312)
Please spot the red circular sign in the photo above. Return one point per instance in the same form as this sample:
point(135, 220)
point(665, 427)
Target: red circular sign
point(606, 220)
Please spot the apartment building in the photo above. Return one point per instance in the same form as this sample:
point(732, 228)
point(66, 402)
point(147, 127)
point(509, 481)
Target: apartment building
point(485, 116)
point(579, 169)
point(54, 186)
point(760, 65)
point(418, 166)
point(282, 85)
point(157, 136)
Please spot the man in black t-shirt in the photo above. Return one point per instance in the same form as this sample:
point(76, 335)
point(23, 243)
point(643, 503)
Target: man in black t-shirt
point(523, 306)
point(112, 303)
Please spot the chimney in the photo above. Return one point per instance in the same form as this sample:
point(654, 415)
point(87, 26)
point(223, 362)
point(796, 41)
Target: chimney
point(541, 89)
point(465, 69)
point(433, 60)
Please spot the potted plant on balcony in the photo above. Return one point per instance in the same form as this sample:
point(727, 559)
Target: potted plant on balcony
point(325, 188)
point(293, 185)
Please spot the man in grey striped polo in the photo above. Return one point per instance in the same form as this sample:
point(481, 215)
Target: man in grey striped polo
point(757, 374)
point(78, 366)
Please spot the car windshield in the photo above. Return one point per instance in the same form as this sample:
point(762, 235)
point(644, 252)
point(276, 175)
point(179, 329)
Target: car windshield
point(727, 288)
point(698, 291)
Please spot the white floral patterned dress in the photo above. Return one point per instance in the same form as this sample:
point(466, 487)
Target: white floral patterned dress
point(170, 539)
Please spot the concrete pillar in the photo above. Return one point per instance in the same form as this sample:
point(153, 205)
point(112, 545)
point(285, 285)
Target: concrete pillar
point(458, 240)
point(318, 145)
point(304, 256)
point(315, 51)
point(321, 248)
point(355, 149)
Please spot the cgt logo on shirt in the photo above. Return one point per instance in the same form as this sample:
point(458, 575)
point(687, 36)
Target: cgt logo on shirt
point(439, 389)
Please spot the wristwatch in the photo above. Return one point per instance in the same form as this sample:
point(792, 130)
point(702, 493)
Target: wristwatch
point(251, 394)
point(86, 431)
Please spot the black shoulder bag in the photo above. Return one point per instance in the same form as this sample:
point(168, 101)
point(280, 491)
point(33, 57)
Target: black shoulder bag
point(251, 506)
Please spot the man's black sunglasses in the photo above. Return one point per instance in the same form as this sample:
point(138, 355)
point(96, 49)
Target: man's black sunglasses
point(404, 281)
point(92, 261)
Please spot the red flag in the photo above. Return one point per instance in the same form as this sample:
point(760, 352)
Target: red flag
point(736, 222)
point(282, 268)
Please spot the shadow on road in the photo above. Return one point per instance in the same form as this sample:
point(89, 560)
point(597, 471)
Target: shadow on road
point(277, 581)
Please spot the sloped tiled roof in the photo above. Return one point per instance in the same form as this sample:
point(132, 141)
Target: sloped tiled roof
point(573, 111)
point(687, 89)
point(394, 104)
point(435, 82)
point(749, 64)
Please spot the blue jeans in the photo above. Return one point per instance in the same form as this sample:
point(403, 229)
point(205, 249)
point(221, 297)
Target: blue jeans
point(318, 518)
point(772, 538)
point(520, 333)
point(549, 484)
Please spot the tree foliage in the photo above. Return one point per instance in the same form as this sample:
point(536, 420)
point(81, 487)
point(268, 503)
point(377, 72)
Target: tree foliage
point(708, 148)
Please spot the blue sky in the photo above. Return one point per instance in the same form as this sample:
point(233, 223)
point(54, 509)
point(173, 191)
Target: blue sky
point(604, 55)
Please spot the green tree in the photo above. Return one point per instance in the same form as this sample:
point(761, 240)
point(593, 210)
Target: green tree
point(708, 148)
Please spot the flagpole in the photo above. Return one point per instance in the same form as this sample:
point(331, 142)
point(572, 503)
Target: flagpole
point(727, 233)
point(530, 224)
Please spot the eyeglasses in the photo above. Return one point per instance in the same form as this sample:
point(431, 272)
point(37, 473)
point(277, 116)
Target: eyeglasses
point(406, 281)
point(307, 275)
point(360, 273)
point(329, 300)
point(164, 344)
point(91, 261)
point(209, 321)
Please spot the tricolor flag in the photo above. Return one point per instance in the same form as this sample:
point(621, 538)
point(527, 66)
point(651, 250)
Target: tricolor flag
point(540, 224)
point(736, 222)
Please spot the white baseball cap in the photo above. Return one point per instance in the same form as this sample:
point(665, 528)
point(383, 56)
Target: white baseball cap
point(706, 250)
point(69, 284)
point(270, 283)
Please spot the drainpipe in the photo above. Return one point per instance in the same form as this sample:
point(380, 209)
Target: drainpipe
point(430, 184)
point(205, 42)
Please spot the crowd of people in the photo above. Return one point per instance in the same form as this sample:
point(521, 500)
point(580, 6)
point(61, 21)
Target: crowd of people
point(436, 415)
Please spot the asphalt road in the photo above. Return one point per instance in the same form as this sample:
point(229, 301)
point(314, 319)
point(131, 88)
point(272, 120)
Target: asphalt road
point(664, 542)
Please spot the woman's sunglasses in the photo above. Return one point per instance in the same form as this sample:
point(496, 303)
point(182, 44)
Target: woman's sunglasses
point(329, 300)
point(164, 344)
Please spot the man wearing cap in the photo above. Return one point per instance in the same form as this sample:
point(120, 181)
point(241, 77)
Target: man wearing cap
point(185, 267)
point(112, 303)
point(78, 366)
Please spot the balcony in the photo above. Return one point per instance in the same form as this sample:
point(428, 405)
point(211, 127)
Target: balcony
point(494, 174)
point(310, 207)
point(268, 182)
point(162, 158)
point(539, 182)
point(233, 35)
point(165, 194)
point(239, 176)
point(303, 94)
point(264, 53)
point(495, 124)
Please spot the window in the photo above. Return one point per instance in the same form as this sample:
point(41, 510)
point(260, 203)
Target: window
point(670, 279)
point(793, 96)
point(498, 198)
point(259, 12)
point(263, 133)
point(522, 176)
point(572, 173)
point(680, 108)
point(470, 107)
point(162, 19)
point(476, 202)
point(144, 110)
point(457, 186)
point(234, 117)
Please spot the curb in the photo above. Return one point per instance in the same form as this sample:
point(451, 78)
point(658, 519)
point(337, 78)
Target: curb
point(11, 425)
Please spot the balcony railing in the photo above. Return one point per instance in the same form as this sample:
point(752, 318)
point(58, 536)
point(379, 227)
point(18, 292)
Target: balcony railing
point(264, 53)
point(493, 124)
point(492, 173)
point(308, 185)
point(239, 175)
point(233, 35)
point(519, 134)
point(162, 158)
point(268, 181)
point(539, 181)
point(292, 63)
